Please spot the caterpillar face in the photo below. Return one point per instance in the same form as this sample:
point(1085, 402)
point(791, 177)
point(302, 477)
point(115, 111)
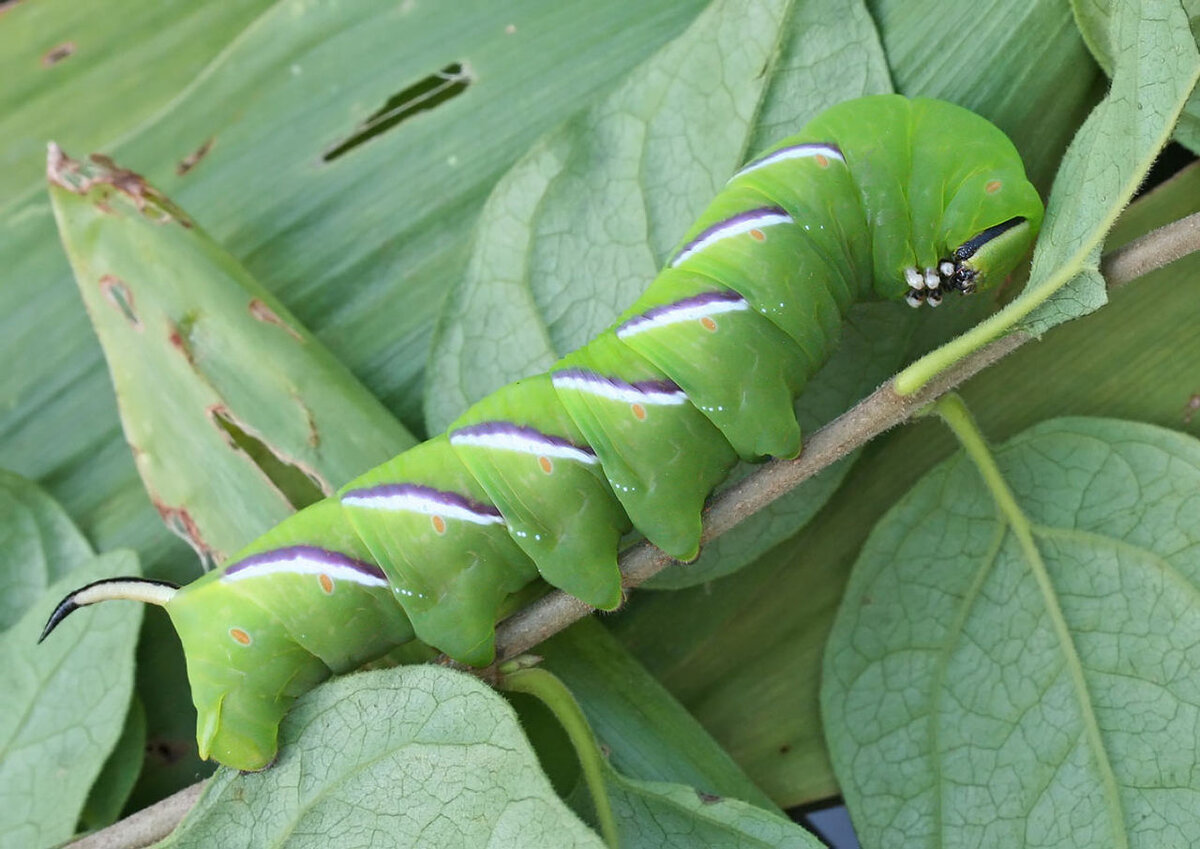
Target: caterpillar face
point(976, 265)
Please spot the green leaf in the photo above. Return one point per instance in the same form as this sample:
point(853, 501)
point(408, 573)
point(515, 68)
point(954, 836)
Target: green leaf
point(1014, 661)
point(674, 816)
point(644, 729)
point(1095, 17)
point(94, 74)
point(64, 706)
point(120, 773)
point(235, 413)
point(1020, 63)
point(1156, 65)
point(580, 226)
point(414, 756)
point(360, 249)
point(38, 545)
point(1156, 68)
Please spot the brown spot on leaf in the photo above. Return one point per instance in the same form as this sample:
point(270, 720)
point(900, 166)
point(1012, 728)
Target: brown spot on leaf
point(57, 53)
point(785, 748)
point(263, 313)
point(100, 171)
point(1190, 408)
point(192, 159)
point(178, 341)
point(117, 293)
point(180, 522)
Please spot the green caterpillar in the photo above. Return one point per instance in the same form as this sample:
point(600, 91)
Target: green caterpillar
point(881, 197)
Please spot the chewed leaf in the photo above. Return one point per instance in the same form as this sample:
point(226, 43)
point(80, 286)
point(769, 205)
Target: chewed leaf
point(1020, 669)
point(423, 755)
point(65, 703)
point(235, 413)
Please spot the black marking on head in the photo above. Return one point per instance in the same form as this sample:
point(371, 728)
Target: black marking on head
point(972, 245)
point(69, 604)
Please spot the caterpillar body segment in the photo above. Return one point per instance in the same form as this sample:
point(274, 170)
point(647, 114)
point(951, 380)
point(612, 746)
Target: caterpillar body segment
point(881, 197)
point(514, 442)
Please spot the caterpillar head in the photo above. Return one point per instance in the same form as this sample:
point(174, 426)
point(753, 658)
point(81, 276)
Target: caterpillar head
point(974, 214)
point(978, 264)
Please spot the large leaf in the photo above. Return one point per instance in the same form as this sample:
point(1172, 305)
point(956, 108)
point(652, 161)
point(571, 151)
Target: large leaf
point(1015, 660)
point(66, 64)
point(64, 706)
point(1021, 64)
point(360, 248)
point(414, 756)
point(235, 413)
point(1095, 22)
point(38, 545)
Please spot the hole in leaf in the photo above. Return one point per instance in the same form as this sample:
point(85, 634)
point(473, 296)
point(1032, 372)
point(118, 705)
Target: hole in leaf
point(118, 294)
point(431, 92)
point(57, 53)
point(297, 485)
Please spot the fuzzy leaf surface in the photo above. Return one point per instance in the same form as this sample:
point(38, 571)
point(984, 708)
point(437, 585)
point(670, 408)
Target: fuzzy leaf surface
point(981, 691)
point(412, 756)
point(38, 545)
point(64, 706)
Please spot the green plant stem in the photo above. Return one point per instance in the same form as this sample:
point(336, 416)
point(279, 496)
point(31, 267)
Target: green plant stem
point(954, 413)
point(914, 377)
point(554, 694)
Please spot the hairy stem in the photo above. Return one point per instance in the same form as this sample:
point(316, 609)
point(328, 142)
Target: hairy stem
point(880, 411)
point(553, 693)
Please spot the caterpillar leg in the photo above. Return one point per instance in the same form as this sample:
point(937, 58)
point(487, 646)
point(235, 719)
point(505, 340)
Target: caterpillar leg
point(661, 455)
point(443, 544)
point(740, 370)
point(539, 470)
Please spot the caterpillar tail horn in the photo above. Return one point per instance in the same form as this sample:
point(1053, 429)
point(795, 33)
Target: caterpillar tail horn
point(110, 589)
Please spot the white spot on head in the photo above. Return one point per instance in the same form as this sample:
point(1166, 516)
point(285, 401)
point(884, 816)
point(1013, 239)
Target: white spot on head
point(913, 299)
point(935, 298)
point(914, 279)
point(931, 279)
point(946, 269)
